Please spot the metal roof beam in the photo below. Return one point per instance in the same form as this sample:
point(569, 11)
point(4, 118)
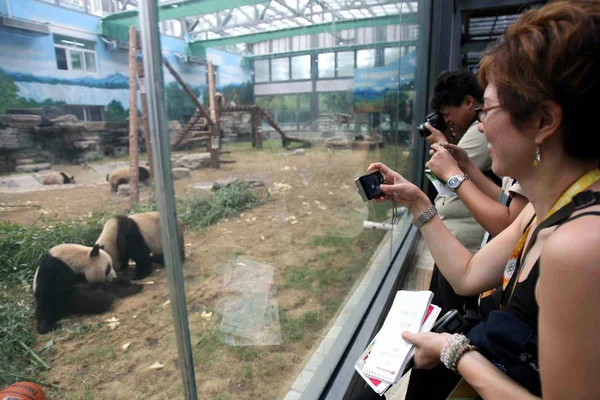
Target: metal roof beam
point(198, 45)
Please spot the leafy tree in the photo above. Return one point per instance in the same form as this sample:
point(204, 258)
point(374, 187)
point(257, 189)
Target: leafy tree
point(115, 112)
point(178, 102)
point(9, 97)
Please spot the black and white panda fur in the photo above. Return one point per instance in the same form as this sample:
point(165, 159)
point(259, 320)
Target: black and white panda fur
point(58, 178)
point(75, 279)
point(136, 237)
point(120, 176)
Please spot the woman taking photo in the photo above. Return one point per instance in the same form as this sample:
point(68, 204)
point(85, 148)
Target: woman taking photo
point(542, 91)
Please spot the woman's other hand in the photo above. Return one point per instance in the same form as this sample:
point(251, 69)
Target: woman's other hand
point(459, 154)
point(428, 347)
point(442, 163)
point(400, 190)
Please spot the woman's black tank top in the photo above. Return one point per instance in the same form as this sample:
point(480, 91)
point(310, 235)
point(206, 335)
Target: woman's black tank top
point(523, 303)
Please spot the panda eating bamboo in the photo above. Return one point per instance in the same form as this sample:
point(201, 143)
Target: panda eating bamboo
point(76, 279)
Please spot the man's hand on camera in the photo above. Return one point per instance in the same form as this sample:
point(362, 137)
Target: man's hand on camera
point(436, 135)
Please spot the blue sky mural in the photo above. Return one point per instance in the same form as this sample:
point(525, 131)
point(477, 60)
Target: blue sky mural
point(371, 85)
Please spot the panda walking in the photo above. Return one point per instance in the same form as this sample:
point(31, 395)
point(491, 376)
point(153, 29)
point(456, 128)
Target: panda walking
point(136, 237)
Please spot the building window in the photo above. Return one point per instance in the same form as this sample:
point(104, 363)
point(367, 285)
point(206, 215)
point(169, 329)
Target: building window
point(365, 58)
point(75, 54)
point(261, 71)
point(280, 69)
point(86, 113)
point(301, 67)
point(326, 63)
point(78, 5)
point(345, 64)
point(390, 55)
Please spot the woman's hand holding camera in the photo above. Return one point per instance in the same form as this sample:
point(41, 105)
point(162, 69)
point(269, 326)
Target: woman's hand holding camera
point(442, 162)
point(400, 190)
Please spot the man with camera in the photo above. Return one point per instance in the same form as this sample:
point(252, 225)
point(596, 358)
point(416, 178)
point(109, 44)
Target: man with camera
point(456, 96)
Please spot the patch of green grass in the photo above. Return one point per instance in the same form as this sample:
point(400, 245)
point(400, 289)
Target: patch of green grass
point(329, 241)
point(220, 395)
point(199, 211)
point(22, 249)
point(205, 348)
point(299, 277)
point(245, 353)
point(295, 329)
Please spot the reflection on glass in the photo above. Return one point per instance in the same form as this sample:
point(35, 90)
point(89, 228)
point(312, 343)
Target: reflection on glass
point(326, 65)
point(261, 71)
point(76, 60)
point(280, 69)
point(365, 58)
point(61, 58)
point(300, 67)
point(345, 63)
point(391, 54)
point(90, 62)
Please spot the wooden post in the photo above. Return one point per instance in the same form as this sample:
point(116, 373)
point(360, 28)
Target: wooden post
point(133, 120)
point(215, 130)
point(188, 91)
point(145, 122)
point(256, 133)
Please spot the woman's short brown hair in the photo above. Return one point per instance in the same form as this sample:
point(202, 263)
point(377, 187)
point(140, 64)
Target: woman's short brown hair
point(552, 53)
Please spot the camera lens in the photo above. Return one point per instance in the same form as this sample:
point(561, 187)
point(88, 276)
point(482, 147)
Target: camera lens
point(423, 131)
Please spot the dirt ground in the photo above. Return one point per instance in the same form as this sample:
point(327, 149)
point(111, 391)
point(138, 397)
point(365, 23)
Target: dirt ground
point(310, 233)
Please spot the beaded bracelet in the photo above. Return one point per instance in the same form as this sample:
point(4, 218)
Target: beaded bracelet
point(455, 347)
point(464, 350)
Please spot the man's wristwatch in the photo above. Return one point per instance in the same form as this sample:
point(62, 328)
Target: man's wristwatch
point(455, 181)
point(426, 216)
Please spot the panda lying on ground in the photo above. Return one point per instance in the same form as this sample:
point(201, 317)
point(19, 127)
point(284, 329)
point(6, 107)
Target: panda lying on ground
point(58, 178)
point(72, 279)
point(121, 176)
point(136, 237)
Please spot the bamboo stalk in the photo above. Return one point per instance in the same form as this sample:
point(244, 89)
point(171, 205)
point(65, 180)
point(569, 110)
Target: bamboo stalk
point(214, 144)
point(134, 192)
point(35, 356)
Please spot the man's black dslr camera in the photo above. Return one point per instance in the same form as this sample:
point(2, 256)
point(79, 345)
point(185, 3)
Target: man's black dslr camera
point(436, 120)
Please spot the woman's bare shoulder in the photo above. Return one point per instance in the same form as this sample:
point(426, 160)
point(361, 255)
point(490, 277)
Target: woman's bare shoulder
point(574, 245)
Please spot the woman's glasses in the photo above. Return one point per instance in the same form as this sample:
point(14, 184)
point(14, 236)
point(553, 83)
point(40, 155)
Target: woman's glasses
point(482, 112)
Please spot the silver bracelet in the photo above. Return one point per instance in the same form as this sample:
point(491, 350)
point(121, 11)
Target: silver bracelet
point(425, 217)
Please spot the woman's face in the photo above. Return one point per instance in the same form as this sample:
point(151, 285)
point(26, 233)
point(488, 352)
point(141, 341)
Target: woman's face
point(512, 150)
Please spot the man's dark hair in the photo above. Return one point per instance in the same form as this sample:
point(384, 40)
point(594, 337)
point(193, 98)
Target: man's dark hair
point(452, 87)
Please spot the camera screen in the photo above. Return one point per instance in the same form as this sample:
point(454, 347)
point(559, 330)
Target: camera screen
point(370, 184)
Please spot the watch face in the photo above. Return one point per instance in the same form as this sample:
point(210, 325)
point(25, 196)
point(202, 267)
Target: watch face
point(453, 182)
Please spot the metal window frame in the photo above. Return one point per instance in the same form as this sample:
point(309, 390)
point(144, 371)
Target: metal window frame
point(68, 50)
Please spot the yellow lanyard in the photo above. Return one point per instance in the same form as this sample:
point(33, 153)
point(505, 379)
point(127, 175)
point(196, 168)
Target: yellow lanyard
point(579, 186)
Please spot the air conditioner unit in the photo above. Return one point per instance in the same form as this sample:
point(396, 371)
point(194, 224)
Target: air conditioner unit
point(24, 25)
